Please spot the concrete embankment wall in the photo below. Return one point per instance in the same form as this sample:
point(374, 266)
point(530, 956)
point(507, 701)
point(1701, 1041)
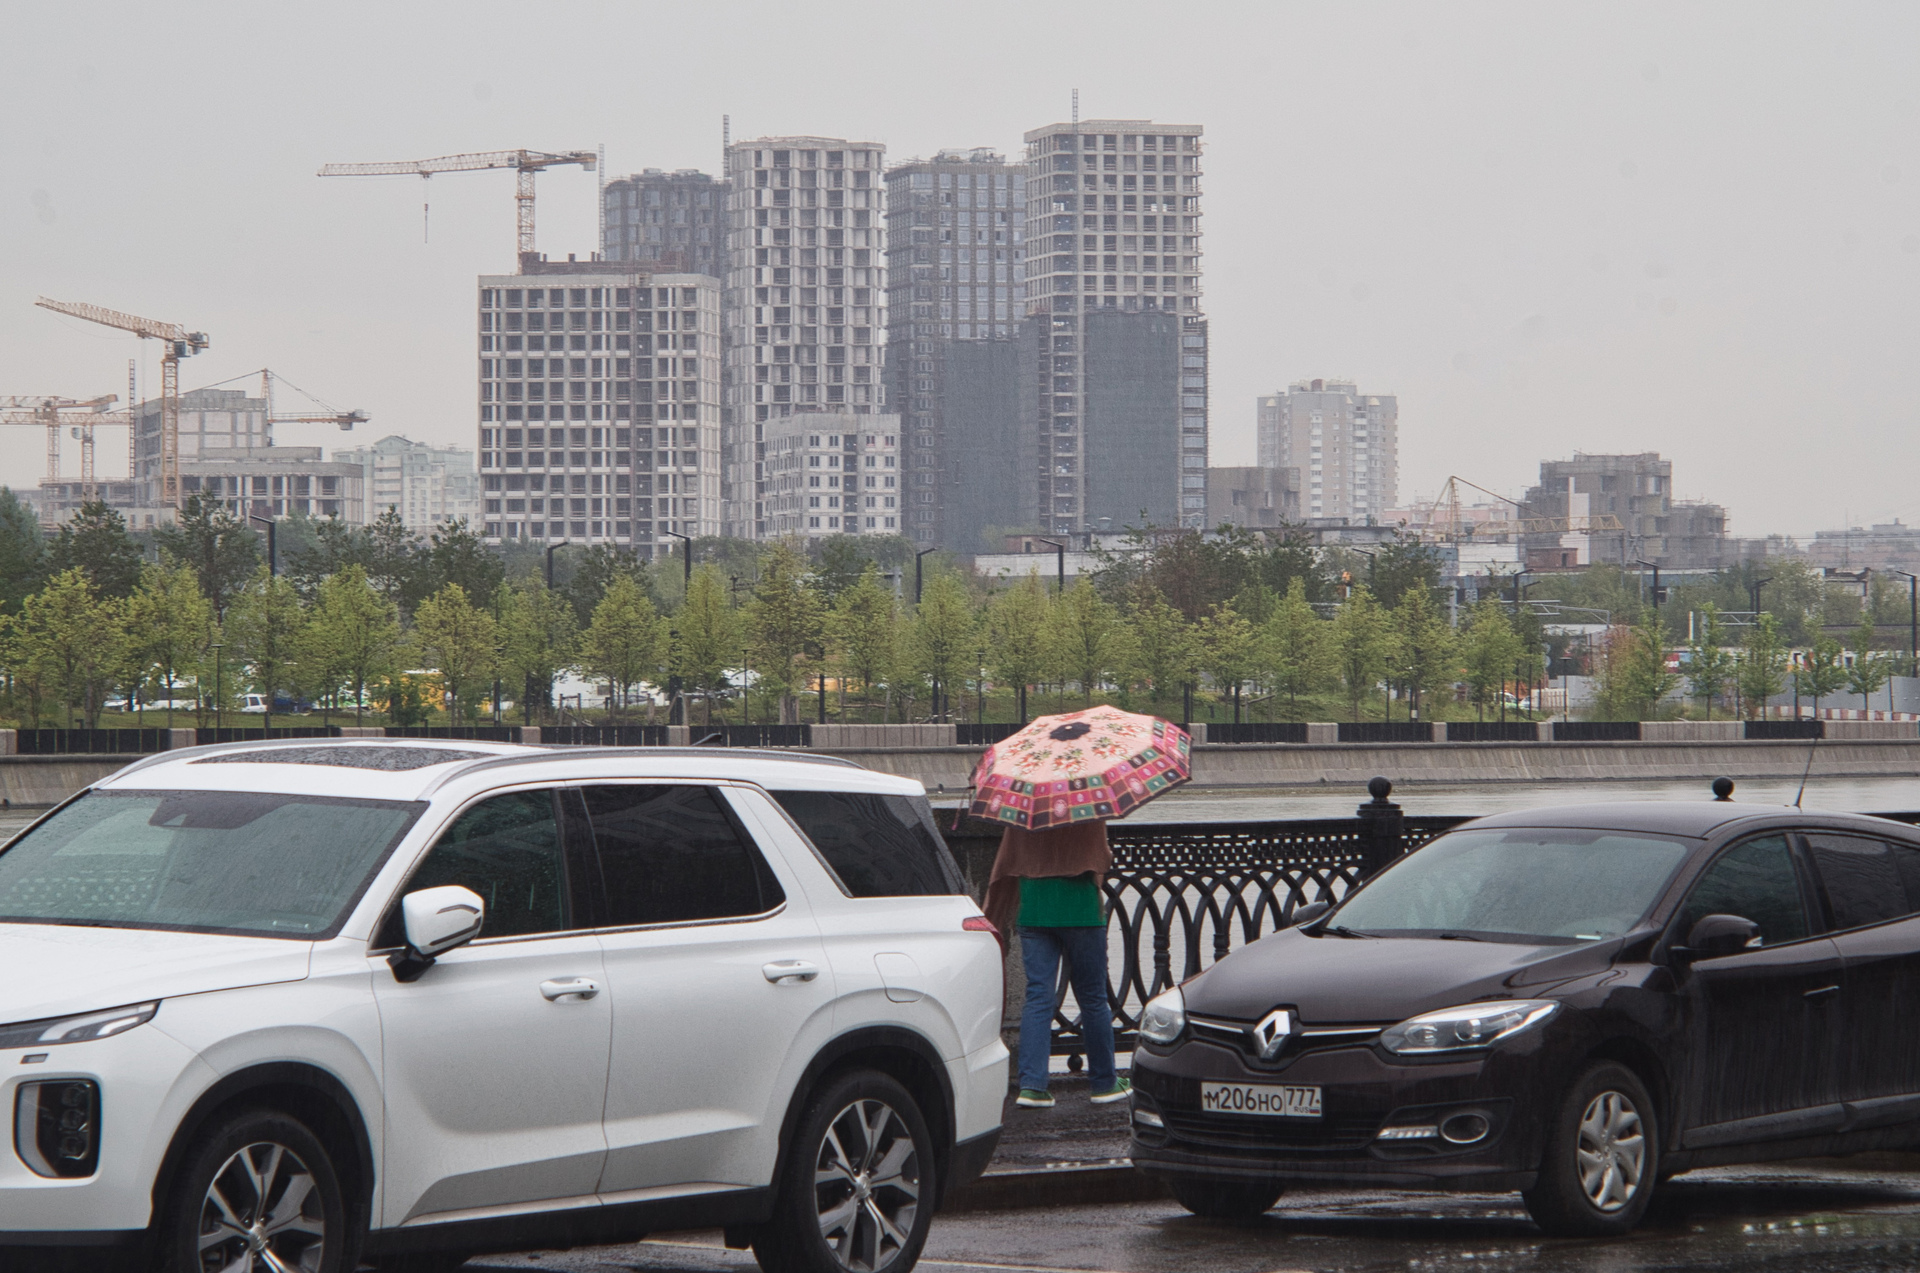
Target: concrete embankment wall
point(46, 780)
point(1346, 764)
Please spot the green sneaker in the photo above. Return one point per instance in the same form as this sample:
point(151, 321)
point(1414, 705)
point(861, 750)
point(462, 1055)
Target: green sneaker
point(1034, 1100)
point(1118, 1092)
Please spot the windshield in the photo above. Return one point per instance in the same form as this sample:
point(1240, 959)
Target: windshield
point(207, 861)
point(1523, 884)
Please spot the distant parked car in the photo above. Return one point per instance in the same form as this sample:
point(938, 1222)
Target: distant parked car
point(1572, 1002)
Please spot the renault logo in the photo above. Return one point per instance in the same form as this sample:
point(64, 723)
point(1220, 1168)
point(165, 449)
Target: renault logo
point(1272, 1033)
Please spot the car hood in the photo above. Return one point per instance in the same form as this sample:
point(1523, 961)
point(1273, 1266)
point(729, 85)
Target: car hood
point(1382, 979)
point(55, 970)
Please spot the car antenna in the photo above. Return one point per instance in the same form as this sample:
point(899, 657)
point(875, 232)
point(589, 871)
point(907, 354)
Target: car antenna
point(1819, 731)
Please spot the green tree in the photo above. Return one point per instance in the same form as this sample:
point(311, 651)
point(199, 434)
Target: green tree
point(863, 628)
point(1296, 646)
point(1401, 566)
point(942, 639)
point(396, 561)
point(783, 619)
point(627, 640)
point(352, 637)
point(1424, 650)
point(1489, 652)
point(1165, 653)
point(1870, 670)
point(593, 572)
point(457, 555)
point(329, 548)
point(706, 634)
point(1635, 677)
point(1360, 641)
point(70, 641)
point(1088, 640)
point(223, 552)
point(265, 629)
point(169, 624)
point(1762, 669)
point(1824, 672)
point(95, 540)
point(23, 551)
point(1710, 665)
point(1228, 652)
point(539, 639)
point(458, 640)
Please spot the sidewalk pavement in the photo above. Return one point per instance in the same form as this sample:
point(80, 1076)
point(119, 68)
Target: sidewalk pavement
point(1072, 1154)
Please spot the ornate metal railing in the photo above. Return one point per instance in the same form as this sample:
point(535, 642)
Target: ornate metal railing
point(1184, 895)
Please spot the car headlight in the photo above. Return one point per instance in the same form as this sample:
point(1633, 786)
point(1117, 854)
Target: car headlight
point(82, 1028)
point(1472, 1025)
point(1164, 1019)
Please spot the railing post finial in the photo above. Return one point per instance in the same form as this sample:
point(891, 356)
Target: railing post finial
point(1383, 827)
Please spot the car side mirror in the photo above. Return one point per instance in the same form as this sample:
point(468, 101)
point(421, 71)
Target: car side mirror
point(1715, 935)
point(1307, 914)
point(436, 920)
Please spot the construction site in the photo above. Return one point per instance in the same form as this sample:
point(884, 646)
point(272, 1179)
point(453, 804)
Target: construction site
point(213, 441)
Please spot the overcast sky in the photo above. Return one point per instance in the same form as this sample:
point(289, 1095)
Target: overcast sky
point(1609, 227)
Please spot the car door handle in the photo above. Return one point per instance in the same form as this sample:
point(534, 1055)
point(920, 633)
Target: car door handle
point(789, 972)
point(1821, 993)
point(569, 988)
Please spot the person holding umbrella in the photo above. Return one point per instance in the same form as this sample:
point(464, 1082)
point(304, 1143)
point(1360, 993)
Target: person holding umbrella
point(1054, 785)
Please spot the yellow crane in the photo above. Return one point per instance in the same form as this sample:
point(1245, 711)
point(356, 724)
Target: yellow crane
point(55, 414)
point(344, 419)
point(176, 343)
point(525, 163)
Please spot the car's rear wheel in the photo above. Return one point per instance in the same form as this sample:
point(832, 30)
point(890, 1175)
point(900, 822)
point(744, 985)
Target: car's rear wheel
point(1602, 1157)
point(858, 1189)
point(256, 1192)
point(1219, 1199)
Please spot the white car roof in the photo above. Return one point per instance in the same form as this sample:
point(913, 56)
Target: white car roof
point(416, 768)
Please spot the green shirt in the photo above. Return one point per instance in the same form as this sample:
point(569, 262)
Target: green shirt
point(1061, 902)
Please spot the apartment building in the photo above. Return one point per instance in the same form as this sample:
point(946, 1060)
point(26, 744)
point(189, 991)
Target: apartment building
point(956, 231)
point(600, 404)
point(1252, 497)
point(428, 486)
point(1345, 444)
point(820, 483)
point(805, 304)
point(1113, 257)
point(673, 222)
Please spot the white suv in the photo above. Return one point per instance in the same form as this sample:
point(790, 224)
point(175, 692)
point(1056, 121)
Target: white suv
point(289, 1005)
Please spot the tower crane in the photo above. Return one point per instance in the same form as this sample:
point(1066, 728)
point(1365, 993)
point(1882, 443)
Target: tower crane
point(525, 164)
point(178, 343)
point(344, 419)
point(55, 414)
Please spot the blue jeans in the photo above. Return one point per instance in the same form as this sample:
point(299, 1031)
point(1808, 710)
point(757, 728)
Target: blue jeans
point(1085, 950)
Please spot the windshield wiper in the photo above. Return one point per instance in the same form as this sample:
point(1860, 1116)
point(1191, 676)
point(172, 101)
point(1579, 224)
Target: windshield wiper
point(1341, 930)
point(1458, 937)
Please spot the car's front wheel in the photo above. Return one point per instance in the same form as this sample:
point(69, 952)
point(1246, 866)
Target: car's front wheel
point(256, 1192)
point(1602, 1157)
point(1224, 1199)
point(858, 1189)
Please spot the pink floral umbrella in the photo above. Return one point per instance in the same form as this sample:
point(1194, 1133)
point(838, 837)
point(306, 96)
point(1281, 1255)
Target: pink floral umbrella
point(1097, 763)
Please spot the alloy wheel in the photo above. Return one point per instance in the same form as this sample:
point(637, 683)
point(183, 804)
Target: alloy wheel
point(1612, 1151)
point(866, 1185)
point(262, 1214)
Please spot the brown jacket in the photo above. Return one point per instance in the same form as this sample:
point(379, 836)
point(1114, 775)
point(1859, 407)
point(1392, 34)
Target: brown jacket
point(1071, 850)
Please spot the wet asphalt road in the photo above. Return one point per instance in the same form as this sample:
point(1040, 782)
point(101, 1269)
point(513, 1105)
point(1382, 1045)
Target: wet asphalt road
point(1857, 1215)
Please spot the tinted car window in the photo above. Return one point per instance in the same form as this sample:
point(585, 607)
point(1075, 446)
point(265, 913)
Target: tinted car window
point(506, 849)
point(879, 846)
point(1755, 881)
point(671, 854)
point(1862, 879)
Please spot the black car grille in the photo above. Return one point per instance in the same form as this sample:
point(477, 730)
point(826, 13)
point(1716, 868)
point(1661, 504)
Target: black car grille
point(1334, 1133)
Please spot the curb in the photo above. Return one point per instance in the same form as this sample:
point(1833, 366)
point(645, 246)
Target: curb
point(1066, 1184)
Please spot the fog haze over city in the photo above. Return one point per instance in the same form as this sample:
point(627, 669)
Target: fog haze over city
point(1607, 227)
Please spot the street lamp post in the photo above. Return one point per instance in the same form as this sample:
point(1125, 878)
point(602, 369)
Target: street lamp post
point(1656, 579)
point(916, 572)
point(1060, 559)
point(551, 550)
point(1913, 630)
point(219, 699)
point(1753, 590)
point(273, 557)
point(686, 563)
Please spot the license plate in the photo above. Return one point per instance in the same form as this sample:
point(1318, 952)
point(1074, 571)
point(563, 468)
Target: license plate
point(1260, 1099)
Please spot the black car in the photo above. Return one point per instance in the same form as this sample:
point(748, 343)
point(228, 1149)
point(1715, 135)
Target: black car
point(1574, 1002)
